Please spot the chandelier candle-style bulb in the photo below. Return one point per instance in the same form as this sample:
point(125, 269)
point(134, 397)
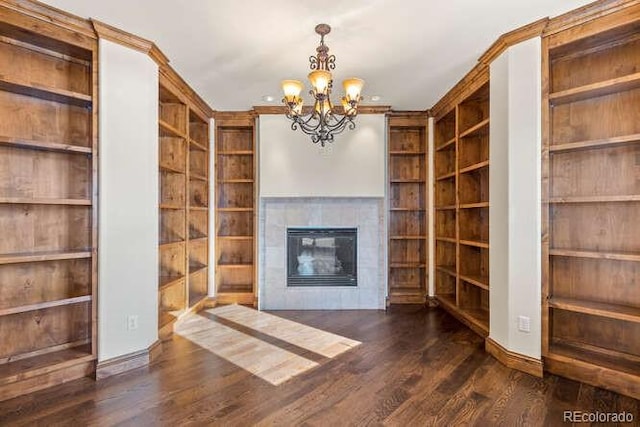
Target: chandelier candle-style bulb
point(291, 89)
point(320, 81)
point(353, 88)
point(322, 123)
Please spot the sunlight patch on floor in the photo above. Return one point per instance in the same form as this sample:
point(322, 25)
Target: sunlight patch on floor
point(263, 359)
point(312, 339)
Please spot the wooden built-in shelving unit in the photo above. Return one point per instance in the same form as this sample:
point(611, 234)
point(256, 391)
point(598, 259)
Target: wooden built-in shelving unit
point(461, 167)
point(48, 205)
point(184, 205)
point(591, 204)
point(407, 216)
point(236, 257)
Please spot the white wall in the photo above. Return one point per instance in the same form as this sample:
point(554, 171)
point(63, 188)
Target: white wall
point(291, 165)
point(128, 209)
point(514, 227)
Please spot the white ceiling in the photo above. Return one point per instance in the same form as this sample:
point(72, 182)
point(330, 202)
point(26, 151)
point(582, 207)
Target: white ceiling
point(409, 52)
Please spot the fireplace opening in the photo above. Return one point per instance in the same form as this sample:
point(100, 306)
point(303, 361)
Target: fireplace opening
point(322, 257)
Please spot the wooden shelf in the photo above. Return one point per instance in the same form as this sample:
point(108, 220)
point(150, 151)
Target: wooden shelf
point(246, 288)
point(170, 245)
point(607, 87)
point(236, 153)
point(49, 226)
point(406, 265)
point(449, 144)
point(446, 176)
point(31, 367)
point(407, 237)
point(46, 93)
point(446, 208)
point(446, 239)
point(595, 143)
point(166, 282)
point(232, 266)
point(474, 243)
point(197, 268)
point(170, 206)
point(479, 281)
point(166, 318)
point(44, 305)
point(43, 201)
point(407, 181)
point(235, 181)
point(474, 205)
point(43, 256)
point(611, 311)
point(407, 153)
point(594, 199)
point(44, 145)
point(591, 358)
point(167, 168)
point(199, 208)
point(448, 269)
point(475, 167)
point(195, 144)
point(198, 177)
point(236, 237)
point(475, 129)
point(478, 320)
point(234, 209)
point(167, 130)
point(203, 239)
point(619, 256)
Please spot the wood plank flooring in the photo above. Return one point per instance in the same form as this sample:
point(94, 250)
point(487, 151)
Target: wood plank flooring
point(415, 367)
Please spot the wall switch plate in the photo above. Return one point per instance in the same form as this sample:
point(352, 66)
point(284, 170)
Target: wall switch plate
point(132, 322)
point(524, 324)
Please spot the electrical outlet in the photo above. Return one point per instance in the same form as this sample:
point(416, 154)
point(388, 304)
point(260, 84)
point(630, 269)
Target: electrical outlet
point(132, 322)
point(524, 324)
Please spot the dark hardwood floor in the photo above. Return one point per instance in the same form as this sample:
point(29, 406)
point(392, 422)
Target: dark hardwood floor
point(415, 367)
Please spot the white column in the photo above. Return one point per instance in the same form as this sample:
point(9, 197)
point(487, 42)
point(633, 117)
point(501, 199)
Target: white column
point(128, 201)
point(514, 226)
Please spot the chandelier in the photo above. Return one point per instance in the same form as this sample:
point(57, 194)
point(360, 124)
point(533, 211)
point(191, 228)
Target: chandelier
point(322, 122)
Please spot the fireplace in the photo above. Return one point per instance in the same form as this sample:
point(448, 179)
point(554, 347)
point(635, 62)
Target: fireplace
point(322, 257)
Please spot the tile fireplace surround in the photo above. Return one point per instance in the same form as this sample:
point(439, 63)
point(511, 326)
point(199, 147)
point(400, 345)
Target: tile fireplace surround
point(365, 214)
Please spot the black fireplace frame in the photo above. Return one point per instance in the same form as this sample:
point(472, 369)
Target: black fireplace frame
point(344, 280)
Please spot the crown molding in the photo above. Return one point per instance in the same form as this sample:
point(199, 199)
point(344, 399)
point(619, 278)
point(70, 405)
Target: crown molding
point(587, 13)
point(506, 40)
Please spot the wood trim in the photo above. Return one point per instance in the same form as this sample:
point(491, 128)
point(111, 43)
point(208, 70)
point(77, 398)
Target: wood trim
point(210, 302)
point(586, 13)
point(52, 15)
point(511, 38)
point(472, 81)
point(48, 379)
point(596, 375)
point(47, 27)
point(408, 118)
point(281, 109)
point(116, 35)
point(197, 104)
point(127, 362)
point(235, 118)
point(513, 360)
point(617, 15)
